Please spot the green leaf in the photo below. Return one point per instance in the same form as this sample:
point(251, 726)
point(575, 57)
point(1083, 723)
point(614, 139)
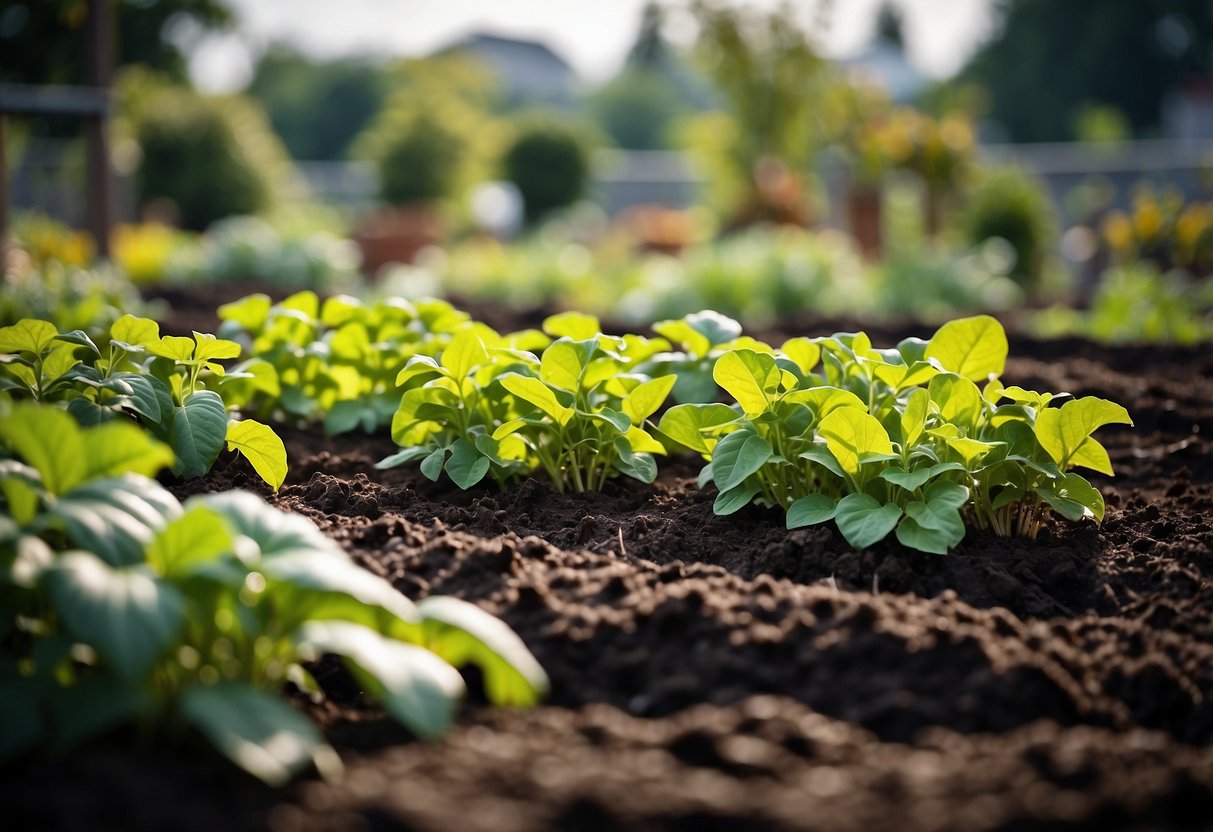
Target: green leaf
point(462, 633)
point(819, 452)
point(249, 312)
point(257, 731)
point(562, 365)
point(931, 527)
point(682, 333)
point(913, 480)
point(575, 325)
point(27, 335)
point(537, 393)
point(914, 417)
point(1073, 497)
point(735, 499)
point(402, 457)
point(210, 348)
point(132, 332)
point(1065, 432)
point(200, 535)
point(864, 521)
point(119, 447)
point(128, 616)
point(749, 377)
point(716, 328)
point(464, 353)
point(637, 466)
point(647, 397)
point(49, 441)
point(115, 518)
point(852, 435)
point(343, 417)
point(958, 399)
point(431, 466)
point(414, 685)
point(811, 510)
point(175, 347)
point(142, 395)
point(197, 433)
point(737, 456)
point(825, 400)
point(466, 466)
point(803, 352)
point(974, 348)
point(261, 447)
point(686, 423)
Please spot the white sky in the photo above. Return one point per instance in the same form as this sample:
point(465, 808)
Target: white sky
point(592, 35)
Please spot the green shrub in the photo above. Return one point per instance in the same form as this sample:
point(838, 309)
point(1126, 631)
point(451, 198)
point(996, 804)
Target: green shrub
point(1007, 203)
point(421, 162)
point(211, 157)
point(549, 163)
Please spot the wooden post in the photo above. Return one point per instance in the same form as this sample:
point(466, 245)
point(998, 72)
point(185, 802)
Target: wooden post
point(3, 201)
point(100, 68)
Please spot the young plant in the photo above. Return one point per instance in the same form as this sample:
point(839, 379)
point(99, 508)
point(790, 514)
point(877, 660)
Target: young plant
point(896, 440)
point(168, 384)
point(702, 337)
point(119, 605)
point(335, 362)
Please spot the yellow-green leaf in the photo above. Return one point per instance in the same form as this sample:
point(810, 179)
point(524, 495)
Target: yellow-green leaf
point(974, 348)
point(749, 377)
point(537, 393)
point(465, 352)
point(804, 352)
point(27, 335)
point(261, 447)
point(211, 348)
point(852, 434)
point(575, 325)
point(1065, 432)
point(644, 400)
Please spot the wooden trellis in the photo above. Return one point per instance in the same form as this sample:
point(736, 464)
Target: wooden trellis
point(92, 103)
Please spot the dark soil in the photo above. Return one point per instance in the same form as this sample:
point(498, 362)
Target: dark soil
point(722, 673)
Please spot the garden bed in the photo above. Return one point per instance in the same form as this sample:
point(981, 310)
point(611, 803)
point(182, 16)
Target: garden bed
point(721, 672)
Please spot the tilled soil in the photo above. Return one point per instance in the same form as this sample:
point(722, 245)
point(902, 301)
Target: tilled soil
point(723, 673)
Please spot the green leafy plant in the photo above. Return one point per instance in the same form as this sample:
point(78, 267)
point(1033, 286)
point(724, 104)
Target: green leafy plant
point(901, 440)
point(702, 338)
point(165, 383)
point(335, 362)
point(578, 412)
point(120, 605)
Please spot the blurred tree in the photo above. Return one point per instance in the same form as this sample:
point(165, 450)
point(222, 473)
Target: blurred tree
point(42, 41)
point(1050, 59)
point(317, 107)
point(201, 158)
point(637, 107)
point(890, 26)
point(772, 81)
point(434, 133)
point(549, 163)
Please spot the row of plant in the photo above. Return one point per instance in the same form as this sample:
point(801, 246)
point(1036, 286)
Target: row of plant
point(171, 385)
point(918, 440)
point(124, 609)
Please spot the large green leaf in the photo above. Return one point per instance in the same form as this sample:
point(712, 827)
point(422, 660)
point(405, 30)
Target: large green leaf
point(413, 684)
point(864, 521)
point(198, 536)
point(257, 731)
point(462, 633)
point(131, 332)
point(575, 325)
point(853, 435)
point(537, 393)
point(130, 617)
point(930, 527)
point(737, 456)
point(119, 447)
point(646, 397)
point(686, 423)
point(27, 335)
point(974, 348)
point(749, 377)
point(562, 365)
point(249, 312)
point(261, 447)
point(1073, 497)
point(466, 465)
point(116, 518)
point(1065, 432)
point(197, 433)
point(49, 441)
point(464, 353)
point(811, 510)
point(735, 499)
